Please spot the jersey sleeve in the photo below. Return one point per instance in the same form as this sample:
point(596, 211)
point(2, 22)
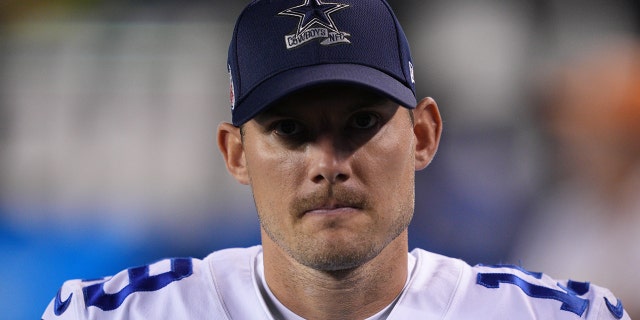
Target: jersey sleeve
point(603, 304)
point(539, 294)
point(164, 288)
point(67, 303)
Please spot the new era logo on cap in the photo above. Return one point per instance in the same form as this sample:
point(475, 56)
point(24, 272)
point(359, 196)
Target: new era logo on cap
point(280, 46)
point(315, 22)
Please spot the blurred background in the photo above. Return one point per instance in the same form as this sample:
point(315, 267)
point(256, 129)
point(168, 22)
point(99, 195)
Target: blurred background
point(108, 156)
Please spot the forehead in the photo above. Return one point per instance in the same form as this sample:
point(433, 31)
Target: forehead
point(335, 98)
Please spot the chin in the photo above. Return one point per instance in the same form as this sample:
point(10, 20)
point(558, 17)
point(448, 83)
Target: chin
point(337, 255)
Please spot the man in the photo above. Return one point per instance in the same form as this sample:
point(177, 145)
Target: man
point(328, 134)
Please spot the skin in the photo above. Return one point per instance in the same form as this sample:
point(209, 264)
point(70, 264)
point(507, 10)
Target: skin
point(332, 171)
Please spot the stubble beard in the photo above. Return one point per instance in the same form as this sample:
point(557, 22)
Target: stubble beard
point(333, 255)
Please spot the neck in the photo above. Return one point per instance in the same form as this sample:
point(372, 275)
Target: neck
point(354, 293)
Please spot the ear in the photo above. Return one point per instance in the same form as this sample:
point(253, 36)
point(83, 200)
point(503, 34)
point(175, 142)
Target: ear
point(427, 129)
point(230, 144)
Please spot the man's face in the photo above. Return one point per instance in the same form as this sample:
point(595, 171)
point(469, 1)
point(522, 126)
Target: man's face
point(332, 173)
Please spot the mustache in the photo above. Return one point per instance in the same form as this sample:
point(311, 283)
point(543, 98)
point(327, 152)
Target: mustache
point(331, 195)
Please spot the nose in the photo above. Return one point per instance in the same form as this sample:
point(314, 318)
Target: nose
point(329, 160)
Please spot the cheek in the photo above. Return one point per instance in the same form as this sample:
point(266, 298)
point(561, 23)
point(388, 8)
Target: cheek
point(272, 174)
point(393, 153)
point(388, 164)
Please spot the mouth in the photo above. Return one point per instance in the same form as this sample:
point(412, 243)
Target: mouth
point(331, 202)
point(332, 209)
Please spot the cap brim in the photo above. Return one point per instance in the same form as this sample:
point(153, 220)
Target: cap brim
point(287, 82)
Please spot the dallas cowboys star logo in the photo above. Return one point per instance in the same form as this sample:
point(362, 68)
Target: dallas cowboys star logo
point(314, 12)
point(315, 22)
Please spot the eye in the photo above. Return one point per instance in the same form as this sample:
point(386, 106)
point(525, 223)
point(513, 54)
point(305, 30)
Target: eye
point(287, 127)
point(364, 120)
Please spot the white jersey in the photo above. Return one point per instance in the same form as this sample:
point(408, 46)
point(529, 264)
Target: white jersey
point(228, 284)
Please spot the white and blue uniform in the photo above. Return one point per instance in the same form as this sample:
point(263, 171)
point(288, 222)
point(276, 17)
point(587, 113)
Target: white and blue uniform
point(229, 284)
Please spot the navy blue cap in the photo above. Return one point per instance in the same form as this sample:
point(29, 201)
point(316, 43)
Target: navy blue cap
point(281, 46)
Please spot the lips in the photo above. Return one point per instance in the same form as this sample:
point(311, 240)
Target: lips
point(332, 208)
point(329, 201)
